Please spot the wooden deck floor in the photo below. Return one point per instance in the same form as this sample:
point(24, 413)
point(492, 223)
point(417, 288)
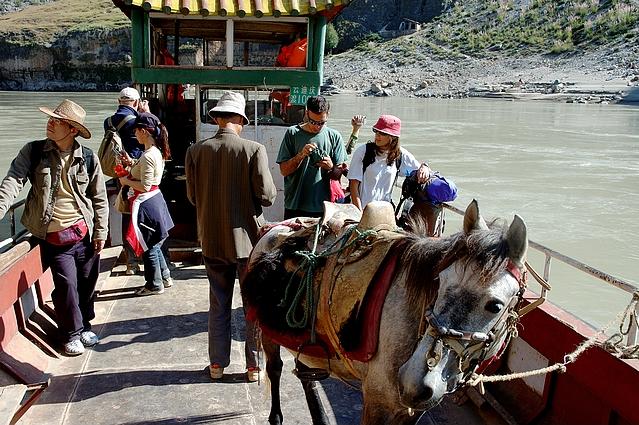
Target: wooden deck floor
point(150, 368)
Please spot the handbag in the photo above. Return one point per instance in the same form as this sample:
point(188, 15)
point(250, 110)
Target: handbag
point(122, 204)
point(69, 236)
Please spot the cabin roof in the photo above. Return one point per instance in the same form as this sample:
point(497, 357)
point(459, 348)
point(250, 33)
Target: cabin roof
point(239, 8)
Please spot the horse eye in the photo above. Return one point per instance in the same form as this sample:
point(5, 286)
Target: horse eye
point(494, 306)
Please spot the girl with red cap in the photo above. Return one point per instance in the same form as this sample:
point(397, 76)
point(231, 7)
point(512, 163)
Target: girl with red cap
point(376, 165)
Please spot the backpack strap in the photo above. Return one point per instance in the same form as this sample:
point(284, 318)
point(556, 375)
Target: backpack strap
point(37, 147)
point(87, 154)
point(398, 164)
point(125, 120)
point(369, 156)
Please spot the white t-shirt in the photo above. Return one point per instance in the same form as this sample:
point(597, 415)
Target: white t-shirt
point(376, 184)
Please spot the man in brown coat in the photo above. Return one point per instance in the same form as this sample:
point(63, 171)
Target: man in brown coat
point(229, 181)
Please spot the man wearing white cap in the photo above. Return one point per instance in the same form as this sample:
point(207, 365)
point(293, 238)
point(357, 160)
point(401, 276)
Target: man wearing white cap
point(129, 106)
point(229, 181)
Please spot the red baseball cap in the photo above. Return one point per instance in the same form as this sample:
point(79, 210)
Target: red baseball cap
point(388, 124)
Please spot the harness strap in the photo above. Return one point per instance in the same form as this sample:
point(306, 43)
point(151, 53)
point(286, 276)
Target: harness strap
point(520, 275)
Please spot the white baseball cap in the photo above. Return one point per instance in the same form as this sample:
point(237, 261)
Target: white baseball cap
point(129, 93)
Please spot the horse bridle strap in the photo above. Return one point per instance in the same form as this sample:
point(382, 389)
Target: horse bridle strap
point(520, 274)
point(479, 343)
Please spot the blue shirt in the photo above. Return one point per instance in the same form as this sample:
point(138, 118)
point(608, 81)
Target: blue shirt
point(127, 132)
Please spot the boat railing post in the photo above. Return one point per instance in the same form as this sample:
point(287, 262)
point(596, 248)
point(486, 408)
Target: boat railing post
point(198, 113)
point(633, 330)
point(229, 43)
point(255, 114)
point(547, 268)
point(12, 220)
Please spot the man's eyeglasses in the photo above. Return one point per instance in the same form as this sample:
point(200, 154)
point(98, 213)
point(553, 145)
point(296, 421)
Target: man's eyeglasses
point(55, 120)
point(317, 123)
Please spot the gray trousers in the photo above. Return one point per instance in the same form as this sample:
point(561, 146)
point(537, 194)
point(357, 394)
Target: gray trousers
point(221, 274)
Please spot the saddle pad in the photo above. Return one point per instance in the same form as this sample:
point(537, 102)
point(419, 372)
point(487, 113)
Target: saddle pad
point(370, 315)
point(345, 281)
point(292, 341)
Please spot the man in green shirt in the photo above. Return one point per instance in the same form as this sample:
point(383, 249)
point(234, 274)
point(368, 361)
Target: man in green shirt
point(309, 153)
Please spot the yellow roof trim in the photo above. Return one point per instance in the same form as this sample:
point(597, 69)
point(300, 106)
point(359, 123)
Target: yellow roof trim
point(239, 8)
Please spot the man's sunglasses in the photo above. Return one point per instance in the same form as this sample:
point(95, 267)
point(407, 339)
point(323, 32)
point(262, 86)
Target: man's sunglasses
point(317, 123)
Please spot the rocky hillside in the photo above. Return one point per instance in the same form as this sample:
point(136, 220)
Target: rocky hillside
point(7, 6)
point(64, 45)
point(463, 46)
point(477, 46)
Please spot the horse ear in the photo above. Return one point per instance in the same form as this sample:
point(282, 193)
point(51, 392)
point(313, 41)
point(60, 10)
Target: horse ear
point(517, 238)
point(472, 219)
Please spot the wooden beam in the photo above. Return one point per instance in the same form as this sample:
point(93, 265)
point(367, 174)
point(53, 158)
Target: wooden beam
point(260, 6)
point(167, 6)
point(185, 7)
point(204, 7)
point(276, 77)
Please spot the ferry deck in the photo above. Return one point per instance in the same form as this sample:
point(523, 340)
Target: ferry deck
point(150, 367)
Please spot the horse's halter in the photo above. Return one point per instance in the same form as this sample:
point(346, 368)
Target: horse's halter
point(472, 347)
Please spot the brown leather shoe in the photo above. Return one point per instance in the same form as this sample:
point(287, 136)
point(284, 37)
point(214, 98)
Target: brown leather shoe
point(216, 371)
point(253, 374)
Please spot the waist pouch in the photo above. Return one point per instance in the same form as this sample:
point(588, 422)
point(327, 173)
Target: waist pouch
point(71, 235)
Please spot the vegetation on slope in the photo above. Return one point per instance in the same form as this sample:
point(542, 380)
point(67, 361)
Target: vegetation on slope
point(43, 24)
point(538, 26)
point(513, 27)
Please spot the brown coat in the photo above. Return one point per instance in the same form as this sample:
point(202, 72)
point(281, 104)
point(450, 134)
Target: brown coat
point(228, 180)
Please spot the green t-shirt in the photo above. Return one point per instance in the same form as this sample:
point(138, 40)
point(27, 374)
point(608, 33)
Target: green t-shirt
point(308, 187)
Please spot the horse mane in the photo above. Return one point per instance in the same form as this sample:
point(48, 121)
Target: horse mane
point(425, 257)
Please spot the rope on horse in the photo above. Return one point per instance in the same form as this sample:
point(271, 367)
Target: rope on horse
point(304, 296)
point(614, 344)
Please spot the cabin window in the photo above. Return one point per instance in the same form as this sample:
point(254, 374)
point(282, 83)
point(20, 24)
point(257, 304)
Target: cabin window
point(226, 43)
point(271, 105)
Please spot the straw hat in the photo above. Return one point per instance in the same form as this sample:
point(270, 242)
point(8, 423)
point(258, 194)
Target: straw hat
point(378, 215)
point(230, 102)
point(71, 113)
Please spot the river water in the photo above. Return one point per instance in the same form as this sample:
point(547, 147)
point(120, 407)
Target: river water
point(570, 170)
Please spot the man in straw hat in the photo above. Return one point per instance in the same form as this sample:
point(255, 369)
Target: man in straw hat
point(229, 181)
point(67, 212)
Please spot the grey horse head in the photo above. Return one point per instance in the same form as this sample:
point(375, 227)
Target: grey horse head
point(468, 300)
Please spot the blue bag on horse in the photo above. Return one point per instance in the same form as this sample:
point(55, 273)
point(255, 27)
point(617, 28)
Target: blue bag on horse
point(440, 189)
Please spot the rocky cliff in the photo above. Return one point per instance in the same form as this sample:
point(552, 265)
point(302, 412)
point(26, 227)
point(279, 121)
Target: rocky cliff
point(63, 45)
point(84, 60)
